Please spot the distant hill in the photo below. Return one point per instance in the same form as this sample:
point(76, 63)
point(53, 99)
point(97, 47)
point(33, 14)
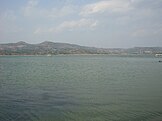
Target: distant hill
point(47, 47)
point(23, 48)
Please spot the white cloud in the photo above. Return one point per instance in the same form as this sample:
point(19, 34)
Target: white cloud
point(82, 23)
point(59, 12)
point(145, 32)
point(33, 10)
point(33, 3)
point(69, 25)
point(8, 16)
point(30, 8)
point(39, 31)
point(8, 22)
point(102, 6)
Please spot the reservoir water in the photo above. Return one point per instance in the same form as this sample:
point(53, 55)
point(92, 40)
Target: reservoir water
point(80, 88)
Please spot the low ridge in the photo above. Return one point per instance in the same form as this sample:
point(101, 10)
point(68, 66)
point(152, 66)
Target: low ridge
point(48, 47)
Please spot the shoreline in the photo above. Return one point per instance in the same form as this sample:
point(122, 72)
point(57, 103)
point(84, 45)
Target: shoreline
point(85, 55)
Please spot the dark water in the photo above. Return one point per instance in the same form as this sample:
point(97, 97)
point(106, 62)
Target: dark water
point(80, 88)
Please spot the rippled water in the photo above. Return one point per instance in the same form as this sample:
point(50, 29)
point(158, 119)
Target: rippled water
point(80, 88)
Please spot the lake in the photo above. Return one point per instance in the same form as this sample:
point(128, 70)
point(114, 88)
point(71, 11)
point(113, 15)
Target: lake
point(80, 88)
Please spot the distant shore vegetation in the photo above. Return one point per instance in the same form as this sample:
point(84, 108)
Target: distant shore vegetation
point(51, 48)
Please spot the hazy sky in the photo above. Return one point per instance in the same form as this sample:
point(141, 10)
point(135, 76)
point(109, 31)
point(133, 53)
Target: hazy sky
point(108, 23)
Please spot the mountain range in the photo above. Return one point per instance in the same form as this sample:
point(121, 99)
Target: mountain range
point(47, 47)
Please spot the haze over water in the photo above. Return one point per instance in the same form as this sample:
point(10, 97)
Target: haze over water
point(80, 88)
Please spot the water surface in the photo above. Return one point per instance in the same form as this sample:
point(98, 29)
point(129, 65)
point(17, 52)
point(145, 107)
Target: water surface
point(80, 88)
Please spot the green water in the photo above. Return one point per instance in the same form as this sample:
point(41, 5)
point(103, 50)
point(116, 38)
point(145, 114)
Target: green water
point(80, 88)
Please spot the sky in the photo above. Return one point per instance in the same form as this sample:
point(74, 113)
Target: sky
point(97, 23)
